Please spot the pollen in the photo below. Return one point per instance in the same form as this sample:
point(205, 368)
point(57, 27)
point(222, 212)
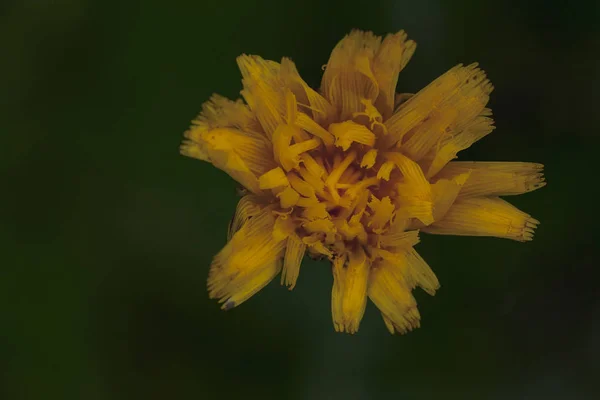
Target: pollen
point(353, 172)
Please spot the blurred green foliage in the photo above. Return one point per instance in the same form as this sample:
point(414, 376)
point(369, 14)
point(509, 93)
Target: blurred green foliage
point(107, 232)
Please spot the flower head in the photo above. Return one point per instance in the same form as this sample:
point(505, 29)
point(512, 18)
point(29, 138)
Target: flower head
point(353, 172)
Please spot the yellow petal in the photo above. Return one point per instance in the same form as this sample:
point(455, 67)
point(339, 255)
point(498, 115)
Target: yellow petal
point(194, 150)
point(445, 192)
point(282, 139)
point(391, 58)
point(300, 185)
point(273, 179)
point(288, 197)
point(304, 146)
point(312, 166)
point(263, 90)
point(370, 117)
point(496, 178)
point(321, 110)
point(220, 112)
point(350, 289)
point(247, 262)
point(307, 201)
point(481, 216)
point(349, 132)
point(411, 320)
point(319, 225)
point(311, 126)
point(248, 207)
point(399, 224)
point(315, 244)
point(348, 77)
point(382, 212)
point(294, 253)
point(422, 138)
point(318, 211)
point(236, 168)
point(243, 291)
point(313, 180)
point(420, 272)
point(397, 239)
point(369, 159)
point(393, 297)
point(351, 230)
point(337, 291)
point(241, 156)
point(450, 145)
point(464, 90)
point(385, 170)
point(406, 262)
point(353, 193)
point(414, 192)
point(284, 227)
point(286, 153)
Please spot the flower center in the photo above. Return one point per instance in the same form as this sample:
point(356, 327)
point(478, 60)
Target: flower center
point(335, 189)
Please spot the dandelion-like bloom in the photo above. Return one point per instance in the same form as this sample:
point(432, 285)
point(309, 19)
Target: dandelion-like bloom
point(352, 173)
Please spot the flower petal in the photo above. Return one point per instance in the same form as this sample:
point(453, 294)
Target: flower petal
point(248, 207)
point(391, 58)
point(455, 99)
point(390, 293)
point(348, 77)
point(445, 192)
point(220, 112)
point(397, 239)
point(263, 90)
point(421, 273)
point(274, 178)
point(382, 212)
point(323, 113)
point(243, 290)
point(496, 178)
point(482, 216)
point(247, 262)
point(294, 253)
point(414, 192)
point(450, 145)
point(288, 197)
point(241, 156)
point(349, 293)
point(349, 132)
point(407, 263)
point(369, 159)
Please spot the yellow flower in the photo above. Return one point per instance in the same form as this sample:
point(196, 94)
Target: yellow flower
point(352, 173)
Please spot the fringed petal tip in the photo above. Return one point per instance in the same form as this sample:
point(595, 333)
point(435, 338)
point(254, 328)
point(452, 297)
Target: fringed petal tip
point(407, 323)
point(531, 225)
point(192, 150)
point(485, 216)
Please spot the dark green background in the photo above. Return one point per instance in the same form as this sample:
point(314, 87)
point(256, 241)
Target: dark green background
point(107, 232)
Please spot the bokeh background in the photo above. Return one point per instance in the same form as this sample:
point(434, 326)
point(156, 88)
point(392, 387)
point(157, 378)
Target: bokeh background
point(107, 232)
